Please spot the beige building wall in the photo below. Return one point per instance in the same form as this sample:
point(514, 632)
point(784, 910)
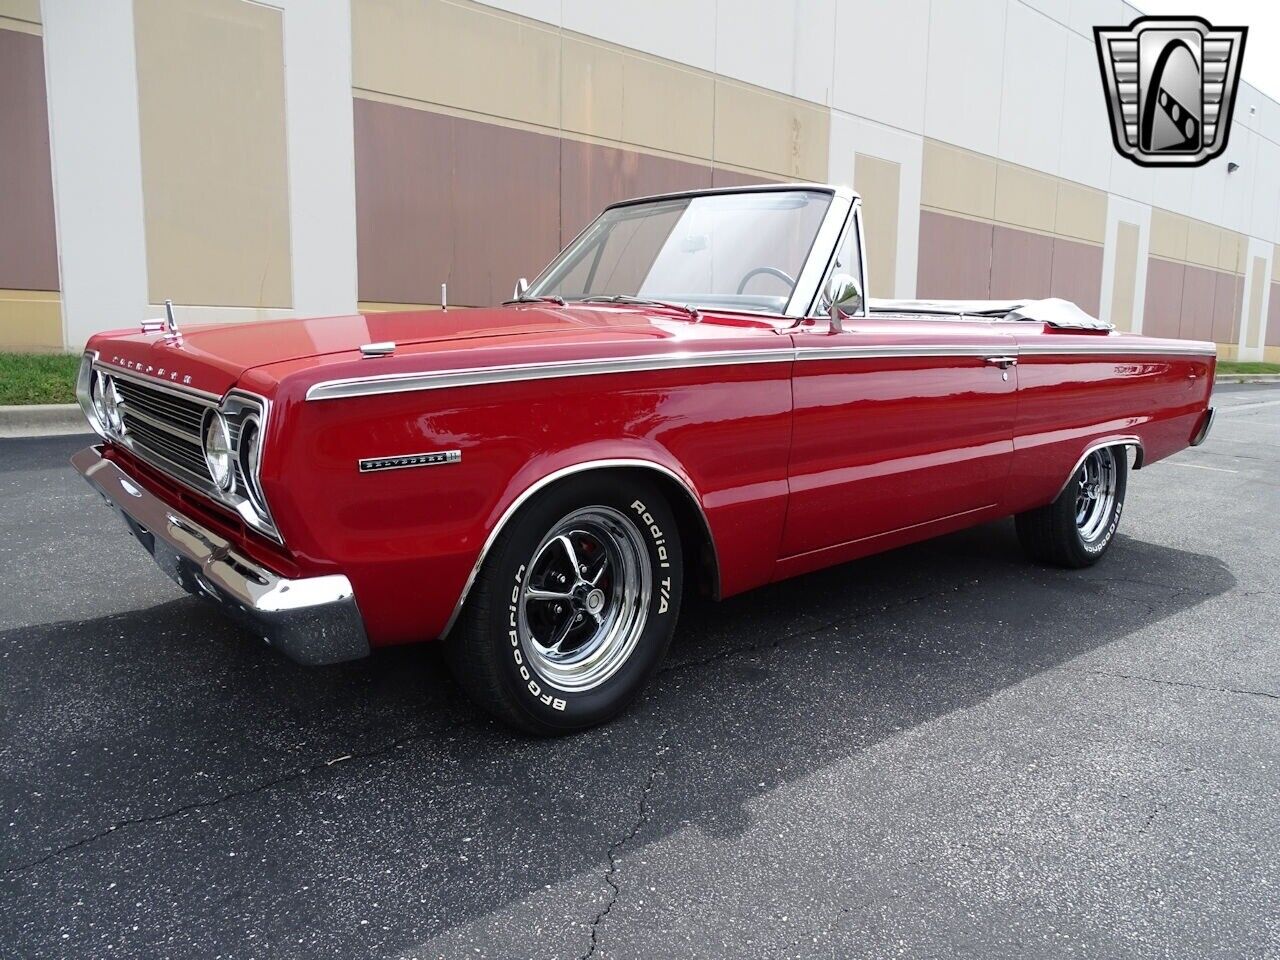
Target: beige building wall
point(211, 105)
point(877, 181)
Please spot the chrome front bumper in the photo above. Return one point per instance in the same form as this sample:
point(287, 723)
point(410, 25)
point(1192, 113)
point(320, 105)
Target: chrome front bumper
point(313, 621)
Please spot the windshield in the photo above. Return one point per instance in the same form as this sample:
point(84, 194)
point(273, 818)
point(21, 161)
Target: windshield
point(735, 251)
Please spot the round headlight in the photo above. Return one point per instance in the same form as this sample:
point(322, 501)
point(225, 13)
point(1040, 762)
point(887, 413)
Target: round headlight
point(248, 454)
point(217, 449)
point(110, 410)
point(98, 394)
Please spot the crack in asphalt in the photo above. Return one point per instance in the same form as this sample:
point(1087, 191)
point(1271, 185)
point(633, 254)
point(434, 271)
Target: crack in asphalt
point(1115, 675)
point(397, 744)
point(642, 815)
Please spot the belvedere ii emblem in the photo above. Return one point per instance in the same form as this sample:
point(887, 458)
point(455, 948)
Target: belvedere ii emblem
point(1170, 84)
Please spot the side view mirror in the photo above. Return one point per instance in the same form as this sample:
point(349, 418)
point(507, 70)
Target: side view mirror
point(522, 287)
point(845, 297)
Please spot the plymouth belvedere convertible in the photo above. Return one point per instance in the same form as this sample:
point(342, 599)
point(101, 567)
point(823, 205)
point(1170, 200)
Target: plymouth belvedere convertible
point(694, 395)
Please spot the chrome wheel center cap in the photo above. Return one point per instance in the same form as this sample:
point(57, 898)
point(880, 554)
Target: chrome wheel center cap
point(595, 601)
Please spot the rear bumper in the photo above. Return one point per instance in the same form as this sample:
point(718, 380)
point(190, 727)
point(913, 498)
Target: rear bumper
point(1202, 431)
point(313, 620)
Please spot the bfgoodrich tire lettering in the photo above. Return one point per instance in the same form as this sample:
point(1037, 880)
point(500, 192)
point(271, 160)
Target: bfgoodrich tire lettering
point(574, 607)
point(1078, 527)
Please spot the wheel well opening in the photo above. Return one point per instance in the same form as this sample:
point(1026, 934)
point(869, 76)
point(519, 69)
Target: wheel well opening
point(701, 565)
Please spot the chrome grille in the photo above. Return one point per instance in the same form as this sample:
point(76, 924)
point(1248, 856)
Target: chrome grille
point(164, 424)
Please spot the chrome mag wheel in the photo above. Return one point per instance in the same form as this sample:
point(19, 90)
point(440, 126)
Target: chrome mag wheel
point(1097, 494)
point(584, 598)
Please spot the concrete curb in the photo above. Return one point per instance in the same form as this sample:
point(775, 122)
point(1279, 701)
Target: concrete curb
point(42, 420)
point(1247, 378)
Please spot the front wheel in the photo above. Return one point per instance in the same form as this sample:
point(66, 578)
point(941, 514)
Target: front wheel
point(1077, 528)
point(574, 607)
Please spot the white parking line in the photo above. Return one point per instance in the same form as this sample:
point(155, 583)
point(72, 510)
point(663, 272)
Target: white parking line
point(1199, 466)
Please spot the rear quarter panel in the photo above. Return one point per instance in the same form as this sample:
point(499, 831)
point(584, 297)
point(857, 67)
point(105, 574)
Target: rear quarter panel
point(1068, 400)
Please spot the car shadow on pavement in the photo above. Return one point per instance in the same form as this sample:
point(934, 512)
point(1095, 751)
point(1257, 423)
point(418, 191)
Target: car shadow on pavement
point(165, 750)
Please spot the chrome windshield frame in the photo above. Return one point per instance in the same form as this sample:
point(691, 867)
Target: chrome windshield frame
point(817, 265)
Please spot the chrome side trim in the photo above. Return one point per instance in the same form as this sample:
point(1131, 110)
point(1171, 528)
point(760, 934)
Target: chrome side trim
point(1101, 345)
point(897, 351)
point(551, 478)
point(510, 373)
point(475, 376)
point(1124, 441)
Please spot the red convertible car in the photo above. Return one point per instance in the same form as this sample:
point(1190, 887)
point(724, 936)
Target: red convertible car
point(695, 394)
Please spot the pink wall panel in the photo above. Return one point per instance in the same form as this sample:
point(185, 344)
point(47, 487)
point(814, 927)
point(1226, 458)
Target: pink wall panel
point(1077, 273)
point(1228, 292)
point(1021, 264)
point(593, 176)
point(1163, 310)
point(954, 258)
point(28, 248)
point(1196, 321)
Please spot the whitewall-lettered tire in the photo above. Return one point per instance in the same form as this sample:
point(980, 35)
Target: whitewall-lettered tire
point(1077, 528)
point(574, 607)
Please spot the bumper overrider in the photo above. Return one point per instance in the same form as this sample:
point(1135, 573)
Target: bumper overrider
point(313, 620)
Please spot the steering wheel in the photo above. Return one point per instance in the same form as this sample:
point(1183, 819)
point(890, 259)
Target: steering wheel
point(771, 271)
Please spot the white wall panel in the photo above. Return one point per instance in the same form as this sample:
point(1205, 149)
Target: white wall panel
point(1035, 65)
point(881, 53)
point(816, 50)
point(321, 155)
point(966, 67)
point(1059, 10)
point(1264, 205)
point(1086, 129)
point(851, 136)
point(680, 30)
point(783, 45)
point(92, 82)
point(1219, 196)
point(1087, 14)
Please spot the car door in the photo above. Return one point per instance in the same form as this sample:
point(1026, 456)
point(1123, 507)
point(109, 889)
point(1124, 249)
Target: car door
point(902, 428)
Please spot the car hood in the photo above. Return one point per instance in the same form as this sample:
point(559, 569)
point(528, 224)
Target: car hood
point(214, 357)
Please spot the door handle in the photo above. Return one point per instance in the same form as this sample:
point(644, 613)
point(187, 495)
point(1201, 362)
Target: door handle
point(1004, 363)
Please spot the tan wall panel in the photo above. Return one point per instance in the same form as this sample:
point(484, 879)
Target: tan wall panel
point(1271, 354)
point(957, 180)
point(591, 87)
point(878, 182)
point(1168, 235)
point(1257, 286)
point(464, 56)
point(214, 172)
point(1124, 288)
point(1203, 243)
point(1232, 250)
point(1081, 212)
point(27, 11)
point(1025, 198)
point(28, 248)
point(667, 107)
point(30, 320)
point(770, 132)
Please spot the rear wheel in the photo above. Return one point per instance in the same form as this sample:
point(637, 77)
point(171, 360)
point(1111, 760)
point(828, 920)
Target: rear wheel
point(1077, 528)
point(574, 607)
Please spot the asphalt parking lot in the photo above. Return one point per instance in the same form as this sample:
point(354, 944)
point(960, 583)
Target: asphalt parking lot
point(943, 751)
